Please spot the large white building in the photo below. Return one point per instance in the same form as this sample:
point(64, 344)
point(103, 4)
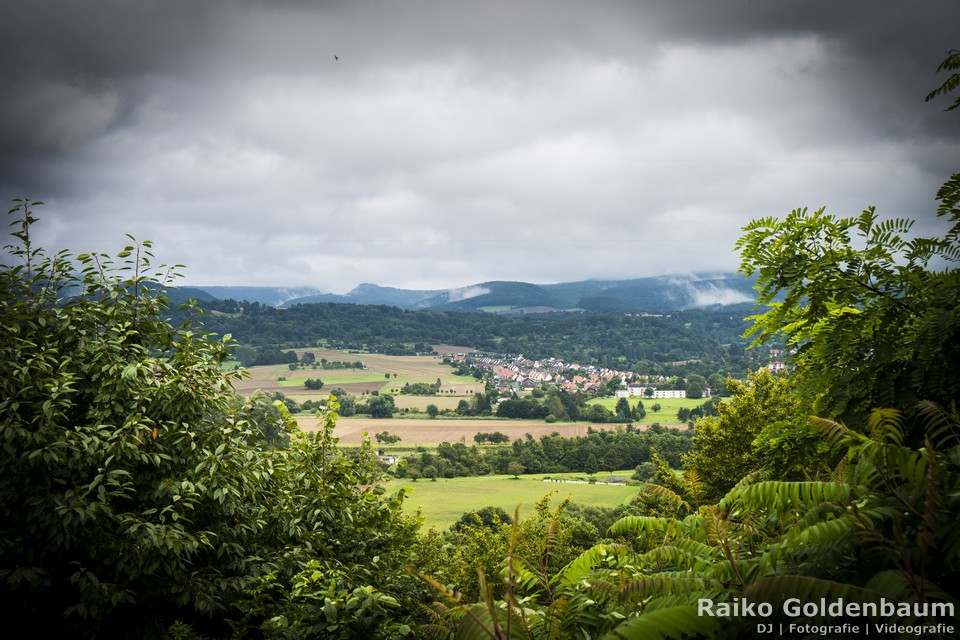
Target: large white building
point(629, 392)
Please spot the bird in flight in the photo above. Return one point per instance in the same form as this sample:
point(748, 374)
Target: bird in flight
point(336, 57)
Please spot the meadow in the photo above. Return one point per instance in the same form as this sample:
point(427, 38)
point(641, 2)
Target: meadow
point(441, 503)
point(667, 416)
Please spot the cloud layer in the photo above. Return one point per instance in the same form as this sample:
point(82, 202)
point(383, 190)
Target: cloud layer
point(454, 143)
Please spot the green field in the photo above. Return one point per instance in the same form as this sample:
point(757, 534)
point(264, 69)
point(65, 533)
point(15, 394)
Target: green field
point(444, 501)
point(668, 407)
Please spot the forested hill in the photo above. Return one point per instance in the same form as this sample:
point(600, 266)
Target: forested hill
point(625, 340)
point(658, 294)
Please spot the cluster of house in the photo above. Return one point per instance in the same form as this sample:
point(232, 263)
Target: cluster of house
point(517, 373)
point(648, 391)
point(775, 363)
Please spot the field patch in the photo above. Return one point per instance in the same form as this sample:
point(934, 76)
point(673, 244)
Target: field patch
point(443, 502)
point(427, 431)
point(667, 416)
point(383, 374)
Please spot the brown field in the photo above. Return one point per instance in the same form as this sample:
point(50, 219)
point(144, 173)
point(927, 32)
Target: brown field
point(449, 349)
point(420, 402)
point(428, 431)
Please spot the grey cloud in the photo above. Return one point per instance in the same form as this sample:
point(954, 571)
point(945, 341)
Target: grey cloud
point(457, 142)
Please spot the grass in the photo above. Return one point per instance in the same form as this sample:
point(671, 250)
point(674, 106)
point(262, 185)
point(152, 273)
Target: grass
point(668, 407)
point(443, 502)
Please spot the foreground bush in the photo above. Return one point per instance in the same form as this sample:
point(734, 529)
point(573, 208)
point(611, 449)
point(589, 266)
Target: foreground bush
point(138, 491)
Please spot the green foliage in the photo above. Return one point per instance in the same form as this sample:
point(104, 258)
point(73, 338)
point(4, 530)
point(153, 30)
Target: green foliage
point(824, 511)
point(314, 384)
point(515, 468)
point(490, 517)
point(385, 437)
point(420, 388)
point(884, 528)
point(761, 427)
point(867, 320)
point(708, 341)
point(136, 489)
point(952, 83)
point(536, 598)
point(380, 406)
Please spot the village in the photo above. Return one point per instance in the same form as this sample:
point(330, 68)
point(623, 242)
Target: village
point(515, 373)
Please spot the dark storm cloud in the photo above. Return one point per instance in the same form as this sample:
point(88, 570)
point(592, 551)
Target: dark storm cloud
point(454, 142)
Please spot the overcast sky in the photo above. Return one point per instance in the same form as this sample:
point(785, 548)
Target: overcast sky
point(460, 142)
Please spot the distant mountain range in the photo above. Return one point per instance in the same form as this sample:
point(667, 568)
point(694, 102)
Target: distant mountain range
point(660, 294)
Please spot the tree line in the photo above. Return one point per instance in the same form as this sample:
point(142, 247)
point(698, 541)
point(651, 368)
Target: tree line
point(627, 448)
point(704, 341)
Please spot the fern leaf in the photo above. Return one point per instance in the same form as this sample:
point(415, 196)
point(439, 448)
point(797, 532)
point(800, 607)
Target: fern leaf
point(580, 567)
point(669, 556)
point(942, 425)
point(671, 496)
point(823, 536)
point(676, 582)
point(783, 496)
point(674, 622)
point(807, 589)
point(636, 525)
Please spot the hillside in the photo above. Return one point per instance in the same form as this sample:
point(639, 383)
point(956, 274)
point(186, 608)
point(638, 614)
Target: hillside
point(659, 294)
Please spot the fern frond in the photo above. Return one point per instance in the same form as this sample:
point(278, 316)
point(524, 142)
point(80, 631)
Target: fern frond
point(581, 566)
point(886, 425)
point(480, 623)
point(673, 622)
point(898, 585)
point(697, 548)
point(671, 496)
point(519, 574)
point(782, 496)
point(675, 582)
point(684, 599)
point(822, 536)
point(807, 589)
point(835, 433)
point(670, 556)
point(942, 424)
point(636, 525)
point(895, 465)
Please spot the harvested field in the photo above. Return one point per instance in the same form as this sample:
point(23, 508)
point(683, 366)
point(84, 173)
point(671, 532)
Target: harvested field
point(400, 369)
point(420, 402)
point(428, 431)
point(451, 350)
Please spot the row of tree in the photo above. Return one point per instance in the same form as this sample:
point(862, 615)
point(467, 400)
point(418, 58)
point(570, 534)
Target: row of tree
point(598, 451)
point(702, 342)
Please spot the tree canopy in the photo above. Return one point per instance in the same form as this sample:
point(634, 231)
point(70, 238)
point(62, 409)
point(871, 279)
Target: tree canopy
point(138, 491)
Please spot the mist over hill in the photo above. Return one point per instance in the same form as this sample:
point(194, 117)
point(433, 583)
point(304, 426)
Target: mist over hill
point(659, 294)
